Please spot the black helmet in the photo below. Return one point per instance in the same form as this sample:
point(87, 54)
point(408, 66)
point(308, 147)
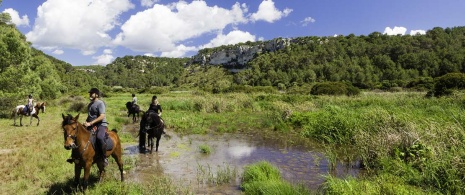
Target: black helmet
point(133, 95)
point(154, 97)
point(94, 90)
point(30, 95)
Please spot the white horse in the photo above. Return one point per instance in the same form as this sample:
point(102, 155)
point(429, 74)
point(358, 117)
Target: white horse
point(18, 111)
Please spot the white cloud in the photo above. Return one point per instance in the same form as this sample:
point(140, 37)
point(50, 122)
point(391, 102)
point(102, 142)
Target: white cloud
point(16, 19)
point(58, 52)
point(231, 38)
point(162, 28)
point(416, 32)
point(307, 20)
point(148, 3)
point(269, 13)
point(105, 58)
point(180, 51)
point(395, 31)
point(82, 25)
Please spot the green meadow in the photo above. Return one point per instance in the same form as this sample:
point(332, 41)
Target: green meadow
point(405, 142)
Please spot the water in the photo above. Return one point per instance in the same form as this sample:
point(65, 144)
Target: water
point(181, 159)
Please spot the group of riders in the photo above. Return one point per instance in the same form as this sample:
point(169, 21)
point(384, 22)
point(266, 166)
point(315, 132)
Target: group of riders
point(96, 118)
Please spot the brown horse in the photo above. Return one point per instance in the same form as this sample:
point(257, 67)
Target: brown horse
point(78, 138)
point(154, 126)
point(18, 111)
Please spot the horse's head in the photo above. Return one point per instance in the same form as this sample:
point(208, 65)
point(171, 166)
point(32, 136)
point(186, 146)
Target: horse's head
point(152, 120)
point(70, 129)
point(128, 105)
point(40, 106)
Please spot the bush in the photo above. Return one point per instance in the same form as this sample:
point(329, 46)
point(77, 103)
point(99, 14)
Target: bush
point(445, 84)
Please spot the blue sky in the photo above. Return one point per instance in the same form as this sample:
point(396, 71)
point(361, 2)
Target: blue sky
point(91, 32)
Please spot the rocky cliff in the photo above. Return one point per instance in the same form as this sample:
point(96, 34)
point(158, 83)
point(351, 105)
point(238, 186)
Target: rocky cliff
point(235, 57)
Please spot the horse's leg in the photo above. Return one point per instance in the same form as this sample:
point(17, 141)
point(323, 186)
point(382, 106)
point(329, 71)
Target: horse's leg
point(77, 174)
point(20, 120)
point(158, 141)
point(101, 171)
point(87, 167)
point(150, 143)
point(38, 119)
point(30, 122)
point(117, 156)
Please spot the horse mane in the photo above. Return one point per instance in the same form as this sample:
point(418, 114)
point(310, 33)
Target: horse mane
point(67, 120)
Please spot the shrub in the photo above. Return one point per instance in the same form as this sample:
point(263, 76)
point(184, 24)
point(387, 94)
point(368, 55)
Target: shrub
point(445, 84)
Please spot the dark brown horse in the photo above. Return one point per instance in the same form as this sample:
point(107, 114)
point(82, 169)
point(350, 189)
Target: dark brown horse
point(154, 126)
point(19, 111)
point(134, 110)
point(78, 138)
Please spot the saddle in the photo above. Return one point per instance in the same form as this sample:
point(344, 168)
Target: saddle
point(93, 139)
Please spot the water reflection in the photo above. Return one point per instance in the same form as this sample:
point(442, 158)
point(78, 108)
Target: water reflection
point(180, 158)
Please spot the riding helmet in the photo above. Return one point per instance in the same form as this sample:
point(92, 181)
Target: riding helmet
point(30, 95)
point(133, 95)
point(154, 97)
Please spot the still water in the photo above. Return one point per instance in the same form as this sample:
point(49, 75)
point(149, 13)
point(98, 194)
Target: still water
point(181, 159)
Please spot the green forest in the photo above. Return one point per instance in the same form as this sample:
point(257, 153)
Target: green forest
point(374, 61)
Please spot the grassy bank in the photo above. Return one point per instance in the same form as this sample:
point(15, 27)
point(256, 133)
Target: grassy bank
point(407, 143)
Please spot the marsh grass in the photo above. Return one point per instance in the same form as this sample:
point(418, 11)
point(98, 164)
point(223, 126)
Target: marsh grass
point(263, 178)
point(413, 142)
point(205, 149)
point(222, 174)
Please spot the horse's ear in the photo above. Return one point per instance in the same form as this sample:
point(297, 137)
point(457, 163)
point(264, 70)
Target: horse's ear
point(62, 115)
point(76, 117)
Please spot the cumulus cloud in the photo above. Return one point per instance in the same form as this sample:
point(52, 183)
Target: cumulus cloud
point(82, 25)
point(104, 59)
point(179, 51)
point(16, 19)
point(395, 31)
point(162, 27)
point(148, 3)
point(417, 32)
point(269, 13)
point(231, 38)
point(307, 20)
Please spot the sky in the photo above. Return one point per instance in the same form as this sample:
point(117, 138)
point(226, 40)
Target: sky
point(96, 32)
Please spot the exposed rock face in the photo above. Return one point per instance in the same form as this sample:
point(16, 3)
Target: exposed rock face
point(236, 57)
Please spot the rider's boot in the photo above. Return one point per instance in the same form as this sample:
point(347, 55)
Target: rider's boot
point(104, 156)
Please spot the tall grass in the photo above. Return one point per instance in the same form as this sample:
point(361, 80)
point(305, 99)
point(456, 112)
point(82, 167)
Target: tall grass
point(264, 178)
point(414, 143)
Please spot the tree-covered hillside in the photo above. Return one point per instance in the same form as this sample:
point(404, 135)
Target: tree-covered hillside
point(376, 61)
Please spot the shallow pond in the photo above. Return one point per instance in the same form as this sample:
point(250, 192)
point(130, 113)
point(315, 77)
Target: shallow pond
point(181, 159)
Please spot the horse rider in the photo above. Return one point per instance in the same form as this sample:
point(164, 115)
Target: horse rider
point(29, 105)
point(156, 107)
point(96, 120)
point(134, 101)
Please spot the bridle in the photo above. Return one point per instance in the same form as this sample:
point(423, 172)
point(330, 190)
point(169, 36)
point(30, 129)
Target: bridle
point(74, 146)
point(160, 125)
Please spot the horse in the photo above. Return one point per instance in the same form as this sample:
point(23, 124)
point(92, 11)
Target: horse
point(79, 139)
point(154, 126)
point(18, 111)
point(134, 110)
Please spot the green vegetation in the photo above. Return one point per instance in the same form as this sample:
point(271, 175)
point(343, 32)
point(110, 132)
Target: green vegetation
point(263, 178)
point(205, 149)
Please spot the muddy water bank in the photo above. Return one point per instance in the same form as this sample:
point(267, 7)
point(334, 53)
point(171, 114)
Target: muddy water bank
point(181, 159)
